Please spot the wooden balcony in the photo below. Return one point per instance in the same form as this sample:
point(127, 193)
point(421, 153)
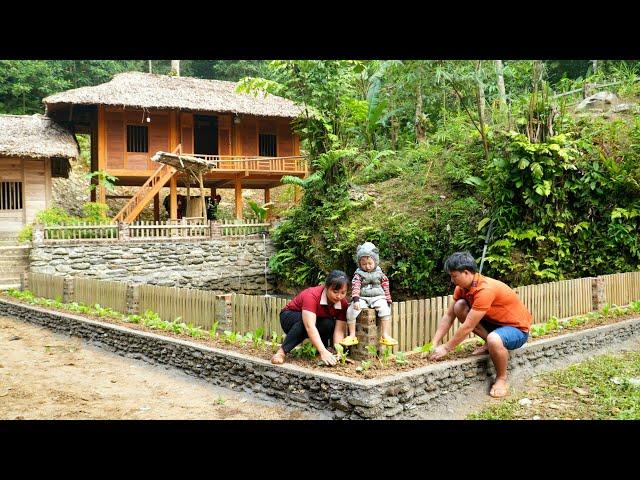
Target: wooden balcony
point(252, 171)
point(250, 164)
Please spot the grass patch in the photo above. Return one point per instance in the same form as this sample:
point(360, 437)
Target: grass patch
point(606, 387)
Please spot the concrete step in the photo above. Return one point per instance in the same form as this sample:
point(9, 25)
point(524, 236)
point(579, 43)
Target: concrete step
point(7, 286)
point(13, 261)
point(11, 273)
point(16, 246)
point(14, 258)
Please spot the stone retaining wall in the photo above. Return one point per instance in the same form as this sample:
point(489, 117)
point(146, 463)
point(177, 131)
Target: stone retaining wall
point(399, 396)
point(236, 265)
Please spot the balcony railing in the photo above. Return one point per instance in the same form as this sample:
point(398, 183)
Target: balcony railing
point(235, 163)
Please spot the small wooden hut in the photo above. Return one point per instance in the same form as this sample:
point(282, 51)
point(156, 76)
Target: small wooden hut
point(33, 149)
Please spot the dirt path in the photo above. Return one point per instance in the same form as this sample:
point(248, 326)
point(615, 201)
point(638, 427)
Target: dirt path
point(44, 375)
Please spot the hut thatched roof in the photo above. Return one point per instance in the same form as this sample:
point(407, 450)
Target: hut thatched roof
point(35, 136)
point(148, 90)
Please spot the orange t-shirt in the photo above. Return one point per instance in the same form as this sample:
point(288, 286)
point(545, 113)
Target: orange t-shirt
point(501, 304)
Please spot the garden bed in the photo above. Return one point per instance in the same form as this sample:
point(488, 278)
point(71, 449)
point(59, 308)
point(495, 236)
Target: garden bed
point(305, 356)
point(416, 389)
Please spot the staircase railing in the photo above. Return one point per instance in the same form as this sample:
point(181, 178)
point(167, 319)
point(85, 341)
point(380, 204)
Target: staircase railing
point(146, 192)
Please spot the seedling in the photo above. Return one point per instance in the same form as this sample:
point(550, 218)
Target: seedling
point(401, 358)
point(228, 336)
point(220, 401)
point(364, 366)
point(385, 355)
point(341, 354)
point(275, 341)
point(213, 331)
point(306, 350)
point(372, 350)
point(424, 349)
point(258, 341)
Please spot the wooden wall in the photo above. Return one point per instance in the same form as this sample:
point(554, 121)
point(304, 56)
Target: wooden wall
point(116, 122)
point(233, 139)
point(35, 175)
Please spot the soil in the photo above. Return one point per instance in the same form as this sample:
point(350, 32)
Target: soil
point(376, 369)
point(44, 375)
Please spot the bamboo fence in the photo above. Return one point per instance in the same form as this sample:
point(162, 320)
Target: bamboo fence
point(250, 312)
point(414, 322)
point(562, 299)
point(105, 293)
point(46, 286)
point(622, 288)
point(197, 307)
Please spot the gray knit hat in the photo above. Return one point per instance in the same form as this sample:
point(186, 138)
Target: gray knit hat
point(367, 249)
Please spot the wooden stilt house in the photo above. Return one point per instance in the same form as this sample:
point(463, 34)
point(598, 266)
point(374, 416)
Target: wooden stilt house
point(33, 149)
point(133, 116)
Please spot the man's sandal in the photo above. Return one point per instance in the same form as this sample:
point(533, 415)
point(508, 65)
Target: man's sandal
point(349, 341)
point(389, 342)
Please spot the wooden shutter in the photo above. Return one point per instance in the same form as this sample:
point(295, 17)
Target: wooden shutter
point(116, 140)
point(224, 141)
point(285, 140)
point(158, 137)
point(186, 132)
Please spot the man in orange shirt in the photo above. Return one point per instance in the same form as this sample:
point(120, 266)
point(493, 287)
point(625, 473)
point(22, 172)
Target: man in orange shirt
point(488, 308)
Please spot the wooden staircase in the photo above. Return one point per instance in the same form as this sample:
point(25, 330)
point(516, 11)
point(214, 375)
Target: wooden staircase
point(145, 194)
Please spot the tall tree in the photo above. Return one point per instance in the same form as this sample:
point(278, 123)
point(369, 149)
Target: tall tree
point(502, 93)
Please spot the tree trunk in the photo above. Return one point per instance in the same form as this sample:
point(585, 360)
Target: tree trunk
point(418, 120)
point(594, 63)
point(481, 110)
point(150, 69)
point(501, 90)
point(175, 67)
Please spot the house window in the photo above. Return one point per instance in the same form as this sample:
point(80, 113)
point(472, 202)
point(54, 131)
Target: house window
point(267, 145)
point(137, 138)
point(11, 196)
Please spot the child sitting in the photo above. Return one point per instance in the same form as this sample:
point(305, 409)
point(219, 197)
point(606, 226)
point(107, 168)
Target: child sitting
point(370, 289)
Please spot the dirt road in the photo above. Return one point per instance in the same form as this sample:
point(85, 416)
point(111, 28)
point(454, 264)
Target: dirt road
point(44, 375)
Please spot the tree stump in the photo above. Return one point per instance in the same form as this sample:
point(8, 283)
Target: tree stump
point(366, 333)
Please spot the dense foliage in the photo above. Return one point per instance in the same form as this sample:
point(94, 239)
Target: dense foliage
point(455, 152)
point(418, 156)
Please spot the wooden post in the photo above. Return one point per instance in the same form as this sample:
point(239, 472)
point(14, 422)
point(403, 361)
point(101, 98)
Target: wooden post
point(213, 193)
point(238, 188)
point(173, 198)
point(598, 295)
point(156, 207)
point(267, 199)
point(297, 193)
point(204, 205)
point(67, 290)
point(102, 153)
point(188, 194)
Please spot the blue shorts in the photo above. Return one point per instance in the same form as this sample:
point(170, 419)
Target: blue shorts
point(512, 337)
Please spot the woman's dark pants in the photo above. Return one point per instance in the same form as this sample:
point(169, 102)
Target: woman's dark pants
point(293, 326)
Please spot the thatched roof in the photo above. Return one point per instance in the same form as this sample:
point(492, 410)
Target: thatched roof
point(35, 136)
point(148, 90)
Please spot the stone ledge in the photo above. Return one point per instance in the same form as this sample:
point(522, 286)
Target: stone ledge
point(397, 396)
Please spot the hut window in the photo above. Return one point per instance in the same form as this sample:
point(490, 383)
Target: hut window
point(137, 138)
point(10, 195)
point(267, 145)
point(60, 167)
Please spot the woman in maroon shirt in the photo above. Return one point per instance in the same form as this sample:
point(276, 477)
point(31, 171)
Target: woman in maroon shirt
point(313, 314)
